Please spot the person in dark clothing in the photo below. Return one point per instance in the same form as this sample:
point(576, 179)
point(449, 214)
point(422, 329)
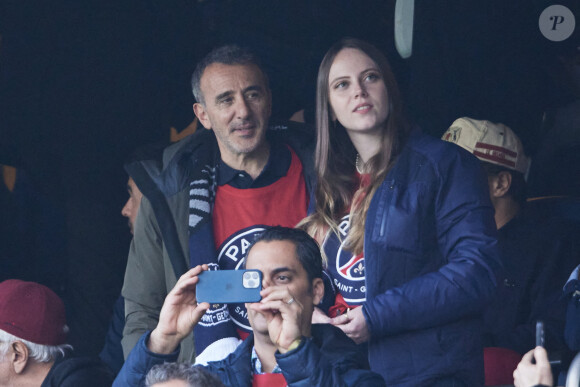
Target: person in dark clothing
point(284, 348)
point(33, 349)
point(112, 352)
point(537, 257)
point(77, 371)
point(406, 225)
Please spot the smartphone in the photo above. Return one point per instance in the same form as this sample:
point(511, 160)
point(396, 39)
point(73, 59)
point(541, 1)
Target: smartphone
point(540, 339)
point(229, 286)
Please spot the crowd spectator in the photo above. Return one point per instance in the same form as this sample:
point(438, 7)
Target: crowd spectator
point(410, 242)
point(285, 347)
point(213, 191)
point(112, 352)
point(33, 347)
point(181, 375)
point(535, 369)
point(131, 207)
point(537, 257)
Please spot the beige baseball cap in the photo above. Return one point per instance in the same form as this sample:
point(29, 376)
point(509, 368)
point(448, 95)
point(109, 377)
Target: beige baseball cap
point(490, 142)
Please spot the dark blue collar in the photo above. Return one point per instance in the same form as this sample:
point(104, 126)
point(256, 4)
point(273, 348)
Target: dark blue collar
point(276, 167)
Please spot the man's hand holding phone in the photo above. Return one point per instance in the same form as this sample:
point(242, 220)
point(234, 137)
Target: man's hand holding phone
point(532, 373)
point(534, 369)
point(180, 313)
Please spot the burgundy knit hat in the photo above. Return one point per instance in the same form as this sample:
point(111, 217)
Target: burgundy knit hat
point(32, 312)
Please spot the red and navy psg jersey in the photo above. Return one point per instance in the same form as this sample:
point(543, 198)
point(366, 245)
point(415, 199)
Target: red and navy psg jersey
point(346, 270)
point(240, 214)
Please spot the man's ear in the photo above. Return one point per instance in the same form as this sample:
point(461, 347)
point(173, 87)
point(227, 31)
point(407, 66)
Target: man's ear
point(317, 290)
point(500, 184)
point(201, 115)
point(19, 356)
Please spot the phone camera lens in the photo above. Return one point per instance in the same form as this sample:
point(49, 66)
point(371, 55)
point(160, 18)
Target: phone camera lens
point(251, 284)
point(255, 275)
point(247, 275)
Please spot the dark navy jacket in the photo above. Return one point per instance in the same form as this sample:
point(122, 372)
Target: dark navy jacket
point(431, 262)
point(537, 258)
point(328, 358)
point(78, 371)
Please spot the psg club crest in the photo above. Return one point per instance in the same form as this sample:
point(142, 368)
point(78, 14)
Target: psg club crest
point(231, 256)
point(347, 270)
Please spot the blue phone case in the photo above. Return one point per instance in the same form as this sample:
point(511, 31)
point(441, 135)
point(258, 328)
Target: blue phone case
point(229, 286)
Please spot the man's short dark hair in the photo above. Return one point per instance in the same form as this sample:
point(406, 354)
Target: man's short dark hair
point(195, 376)
point(518, 186)
point(228, 55)
point(307, 250)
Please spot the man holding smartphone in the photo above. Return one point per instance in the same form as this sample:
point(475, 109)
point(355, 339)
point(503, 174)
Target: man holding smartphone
point(209, 194)
point(534, 370)
point(285, 347)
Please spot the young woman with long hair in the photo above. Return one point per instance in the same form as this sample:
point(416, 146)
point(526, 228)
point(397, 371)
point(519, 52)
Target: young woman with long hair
point(406, 224)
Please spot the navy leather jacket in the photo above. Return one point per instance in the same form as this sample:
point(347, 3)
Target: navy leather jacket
point(431, 264)
point(328, 358)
